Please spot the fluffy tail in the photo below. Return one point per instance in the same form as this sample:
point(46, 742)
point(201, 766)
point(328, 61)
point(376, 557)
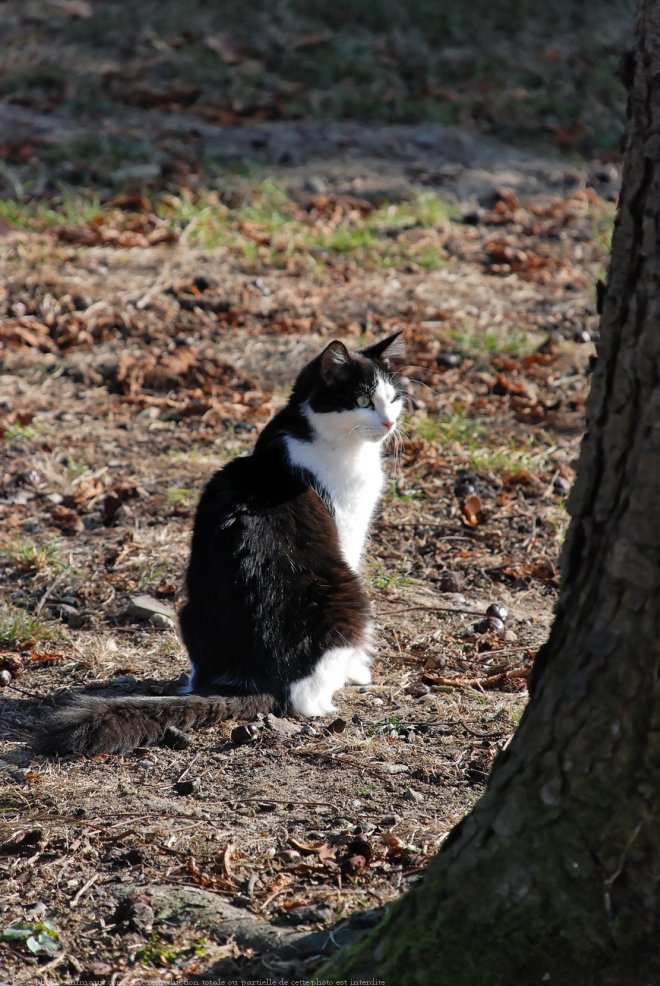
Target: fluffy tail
point(91, 725)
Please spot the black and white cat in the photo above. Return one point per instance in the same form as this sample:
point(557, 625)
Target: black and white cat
point(277, 617)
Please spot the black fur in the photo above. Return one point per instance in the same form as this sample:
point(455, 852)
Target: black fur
point(268, 589)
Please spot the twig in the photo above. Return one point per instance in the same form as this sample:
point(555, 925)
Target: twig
point(83, 890)
point(432, 609)
point(52, 964)
point(47, 593)
point(24, 691)
point(490, 681)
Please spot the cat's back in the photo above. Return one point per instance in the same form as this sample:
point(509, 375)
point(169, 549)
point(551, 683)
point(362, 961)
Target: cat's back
point(259, 500)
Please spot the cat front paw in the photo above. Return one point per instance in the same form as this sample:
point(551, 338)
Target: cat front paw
point(359, 672)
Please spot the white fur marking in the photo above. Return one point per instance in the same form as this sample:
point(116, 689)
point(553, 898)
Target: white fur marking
point(344, 457)
point(312, 696)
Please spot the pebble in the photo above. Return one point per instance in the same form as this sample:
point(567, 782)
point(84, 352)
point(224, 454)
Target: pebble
point(145, 607)
point(285, 727)
point(388, 820)
point(418, 689)
point(188, 787)
point(411, 795)
point(5, 677)
point(161, 621)
point(246, 733)
point(315, 185)
point(338, 726)
point(392, 768)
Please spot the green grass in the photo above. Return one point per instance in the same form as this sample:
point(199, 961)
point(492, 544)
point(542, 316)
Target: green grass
point(267, 227)
point(34, 556)
point(453, 426)
point(150, 576)
point(15, 433)
point(382, 578)
point(20, 628)
point(158, 954)
point(181, 496)
point(68, 208)
point(505, 341)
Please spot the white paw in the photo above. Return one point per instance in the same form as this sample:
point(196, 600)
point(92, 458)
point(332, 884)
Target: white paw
point(359, 672)
point(311, 709)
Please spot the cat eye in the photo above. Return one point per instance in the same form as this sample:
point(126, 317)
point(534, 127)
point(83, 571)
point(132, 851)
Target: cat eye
point(363, 400)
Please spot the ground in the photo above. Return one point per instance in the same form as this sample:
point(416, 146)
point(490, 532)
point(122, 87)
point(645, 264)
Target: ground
point(149, 330)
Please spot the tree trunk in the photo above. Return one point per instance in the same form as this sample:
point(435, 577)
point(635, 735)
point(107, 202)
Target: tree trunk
point(555, 875)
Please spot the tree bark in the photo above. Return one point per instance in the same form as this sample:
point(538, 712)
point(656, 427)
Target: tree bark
point(555, 875)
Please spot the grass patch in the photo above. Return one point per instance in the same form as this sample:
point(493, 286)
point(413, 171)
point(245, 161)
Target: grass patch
point(15, 433)
point(20, 628)
point(68, 208)
point(268, 227)
point(181, 496)
point(158, 954)
point(33, 557)
point(382, 578)
point(452, 427)
point(508, 341)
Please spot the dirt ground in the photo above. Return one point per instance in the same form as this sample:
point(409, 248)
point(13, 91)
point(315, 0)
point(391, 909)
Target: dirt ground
point(136, 360)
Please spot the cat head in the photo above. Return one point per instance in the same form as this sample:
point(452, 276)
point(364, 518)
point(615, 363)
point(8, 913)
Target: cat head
point(352, 395)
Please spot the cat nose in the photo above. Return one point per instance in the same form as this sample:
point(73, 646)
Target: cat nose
point(388, 424)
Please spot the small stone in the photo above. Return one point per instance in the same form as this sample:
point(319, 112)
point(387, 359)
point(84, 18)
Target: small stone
point(308, 730)
point(288, 855)
point(36, 910)
point(418, 689)
point(411, 795)
point(188, 787)
point(581, 335)
point(161, 621)
point(387, 821)
point(464, 488)
point(448, 360)
point(135, 913)
point(246, 733)
point(450, 581)
point(70, 615)
point(498, 611)
point(310, 914)
point(315, 185)
point(145, 607)
point(509, 636)
point(392, 768)
point(338, 726)
point(472, 217)
point(5, 678)
point(282, 726)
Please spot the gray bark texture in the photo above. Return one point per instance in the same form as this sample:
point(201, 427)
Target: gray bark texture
point(555, 876)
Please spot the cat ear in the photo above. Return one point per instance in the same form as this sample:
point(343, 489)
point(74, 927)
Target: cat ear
point(335, 360)
point(392, 346)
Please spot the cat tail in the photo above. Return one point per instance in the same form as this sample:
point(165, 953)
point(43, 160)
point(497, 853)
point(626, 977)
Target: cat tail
point(90, 725)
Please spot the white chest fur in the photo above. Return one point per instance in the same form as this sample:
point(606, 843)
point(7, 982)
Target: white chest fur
point(352, 475)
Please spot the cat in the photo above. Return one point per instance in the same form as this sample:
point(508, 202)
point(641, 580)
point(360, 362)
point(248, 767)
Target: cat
point(276, 617)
